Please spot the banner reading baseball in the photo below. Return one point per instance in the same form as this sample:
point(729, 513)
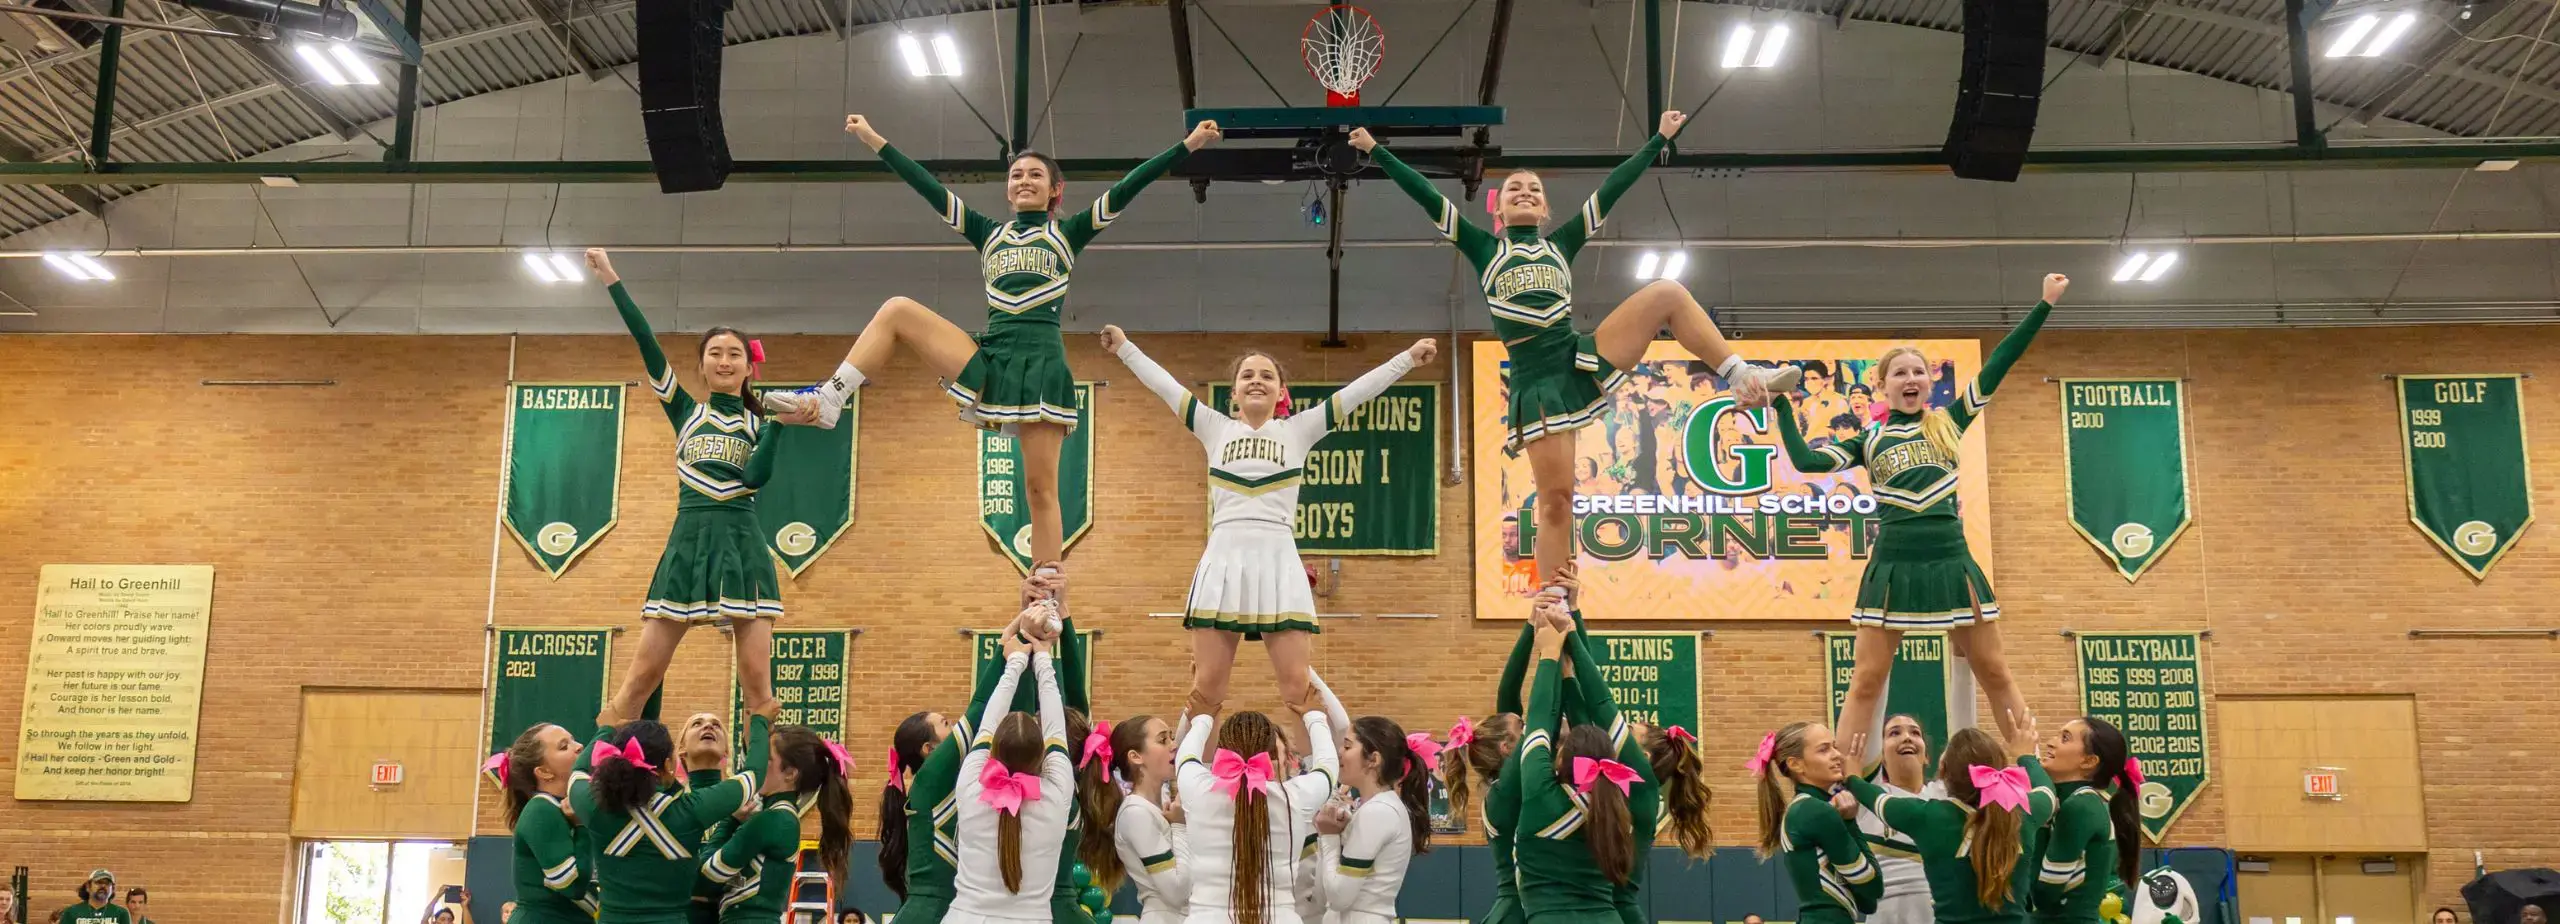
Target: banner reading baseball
point(563, 468)
point(1687, 508)
point(1004, 507)
point(2125, 453)
point(809, 501)
point(2470, 489)
point(1372, 486)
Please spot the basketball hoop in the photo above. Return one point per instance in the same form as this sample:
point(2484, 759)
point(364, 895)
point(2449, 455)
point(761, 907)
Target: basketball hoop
point(1342, 46)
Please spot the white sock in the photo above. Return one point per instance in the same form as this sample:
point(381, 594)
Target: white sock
point(840, 386)
point(1732, 364)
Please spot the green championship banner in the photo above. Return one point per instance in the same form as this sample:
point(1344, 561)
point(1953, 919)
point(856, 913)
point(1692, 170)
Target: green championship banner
point(988, 648)
point(808, 503)
point(1372, 486)
point(2470, 490)
point(1652, 676)
point(563, 468)
point(1004, 507)
point(2125, 458)
point(546, 676)
point(2151, 686)
point(809, 672)
point(1918, 687)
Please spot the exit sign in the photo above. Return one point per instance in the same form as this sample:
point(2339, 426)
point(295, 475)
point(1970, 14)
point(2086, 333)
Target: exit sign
point(386, 773)
point(2321, 784)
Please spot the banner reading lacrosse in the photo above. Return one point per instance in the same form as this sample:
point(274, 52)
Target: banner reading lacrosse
point(1652, 676)
point(1688, 509)
point(546, 676)
point(809, 671)
point(2150, 685)
point(1372, 487)
point(808, 503)
point(2125, 454)
point(2470, 490)
point(987, 648)
point(1004, 507)
point(563, 468)
point(1918, 686)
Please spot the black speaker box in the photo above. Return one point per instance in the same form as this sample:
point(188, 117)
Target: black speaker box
point(1999, 89)
point(680, 47)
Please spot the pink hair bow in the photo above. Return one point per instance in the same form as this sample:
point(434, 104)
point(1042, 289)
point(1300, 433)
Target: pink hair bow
point(1006, 791)
point(1280, 407)
point(1422, 746)
point(496, 767)
point(2005, 787)
point(897, 777)
point(1493, 200)
point(1463, 733)
point(1759, 762)
point(1096, 744)
point(2133, 771)
point(755, 356)
point(1238, 777)
point(1677, 733)
point(1588, 772)
point(629, 752)
point(1878, 411)
point(843, 758)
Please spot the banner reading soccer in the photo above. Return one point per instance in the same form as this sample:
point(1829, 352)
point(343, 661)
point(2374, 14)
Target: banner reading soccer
point(1004, 507)
point(2125, 449)
point(1371, 487)
point(546, 677)
point(1652, 676)
point(1687, 508)
point(809, 671)
point(2470, 489)
point(2150, 685)
point(809, 501)
point(563, 468)
point(1918, 687)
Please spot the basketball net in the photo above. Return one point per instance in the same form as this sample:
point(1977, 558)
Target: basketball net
point(1342, 46)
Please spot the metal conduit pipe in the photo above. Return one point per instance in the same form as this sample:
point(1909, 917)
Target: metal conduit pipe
point(326, 20)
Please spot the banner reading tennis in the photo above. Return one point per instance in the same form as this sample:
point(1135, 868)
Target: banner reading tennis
point(2125, 453)
point(1685, 505)
point(1918, 687)
point(808, 503)
point(1652, 676)
point(563, 468)
point(1004, 507)
point(1371, 487)
point(2150, 685)
point(2470, 489)
point(546, 677)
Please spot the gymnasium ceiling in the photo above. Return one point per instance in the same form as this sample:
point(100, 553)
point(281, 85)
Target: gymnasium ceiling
point(549, 80)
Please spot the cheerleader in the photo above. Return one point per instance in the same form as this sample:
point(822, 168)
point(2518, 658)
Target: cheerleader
point(1921, 576)
point(1906, 774)
point(1250, 584)
point(647, 824)
point(704, 748)
point(1560, 380)
point(1308, 890)
point(1014, 376)
point(1148, 836)
point(1973, 843)
point(1012, 822)
point(1485, 753)
point(1576, 847)
point(715, 569)
point(1248, 826)
point(758, 860)
point(1364, 851)
point(2095, 843)
point(1833, 871)
point(551, 886)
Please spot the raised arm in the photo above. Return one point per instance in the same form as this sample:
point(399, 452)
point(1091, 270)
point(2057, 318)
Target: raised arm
point(1000, 701)
point(1057, 769)
point(954, 213)
point(662, 379)
point(1506, 695)
point(1349, 398)
point(1074, 660)
point(1333, 711)
point(2040, 798)
point(1537, 744)
point(1180, 399)
point(1593, 705)
point(1831, 458)
point(1322, 768)
point(1595, 210)
point(1086, 225)
point(1995, 367)
point(1190, 762)
point(1477, 243)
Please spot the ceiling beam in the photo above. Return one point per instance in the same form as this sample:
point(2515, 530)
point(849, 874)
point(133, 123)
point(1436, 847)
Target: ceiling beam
point(2447, 47)
point(182, 113)
point(562, 39)
point(2121, 33)
point(86, 200)
point(273, 63)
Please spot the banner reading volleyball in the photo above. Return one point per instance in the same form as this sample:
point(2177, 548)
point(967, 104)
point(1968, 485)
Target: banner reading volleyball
point(1004, 507)
point(809, 671)
point(2150, 685)
point(1918, 687)
point(1687, 507)
point(546, 676)
point(2470, 489)
point(808, 503)
point(1371, 488)
point(1652, 676)
point(563, 468)
point(2125, 451)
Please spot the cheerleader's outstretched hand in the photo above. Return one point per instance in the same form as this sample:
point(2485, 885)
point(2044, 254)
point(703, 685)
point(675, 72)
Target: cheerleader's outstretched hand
point(1113, 337)
point(2055, 284)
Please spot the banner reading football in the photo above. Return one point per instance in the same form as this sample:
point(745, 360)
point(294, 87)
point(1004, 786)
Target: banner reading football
point(808, 503)
point(2470, 489)
point(2125, 449)
point(2150, 685)
point(1004, 507)
point(1687, 508)
point(1371, 486)
point(563, 468)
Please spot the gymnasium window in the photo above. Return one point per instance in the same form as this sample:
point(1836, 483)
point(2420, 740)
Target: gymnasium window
point(375, 882)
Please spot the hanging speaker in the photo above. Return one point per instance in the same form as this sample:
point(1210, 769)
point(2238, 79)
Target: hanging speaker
point(680, 46)
point(1999, 90)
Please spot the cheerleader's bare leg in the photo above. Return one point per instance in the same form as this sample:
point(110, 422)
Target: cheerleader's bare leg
point(1551, 472)
point(754, 641)
point(1861, 714)
point(1981, 643)
point(658, 641)
point(1041, 443)
point(1213, 659)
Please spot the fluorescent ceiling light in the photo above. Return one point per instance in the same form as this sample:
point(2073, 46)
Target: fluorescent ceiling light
point(541, 267)
point(345, 56)
point(320, 66)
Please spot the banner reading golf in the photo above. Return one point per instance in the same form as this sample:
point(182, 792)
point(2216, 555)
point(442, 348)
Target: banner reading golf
point(1652, 676)
point(546, 676)
point(2150, 685)
point(1371, 488)
point(2125, 452)
point(1918, 686)
point(1004, 507)
point(2470, 489)
point(988, 648)
point(1687, 508)
point(563, 468)
point(808, 503)
point(809, 671)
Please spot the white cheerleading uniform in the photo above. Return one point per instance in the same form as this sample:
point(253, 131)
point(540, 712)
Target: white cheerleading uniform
point(1212, 814)
point(979, 894)
point(1250, 579)
point(1906, 885)
point(1362, 869)
point(1310, 885)
point(1153, 851)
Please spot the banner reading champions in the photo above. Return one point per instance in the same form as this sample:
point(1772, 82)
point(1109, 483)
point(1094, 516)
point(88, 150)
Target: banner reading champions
point(1918, 686)
point(808, 503)
point(809, 672)
point(563, 468)
point(1371, 488)
point(1688, 509)
point(2125, 451)
point(2150, 685)
point(2470, 489)
point(547, 676)
point(1004, 507)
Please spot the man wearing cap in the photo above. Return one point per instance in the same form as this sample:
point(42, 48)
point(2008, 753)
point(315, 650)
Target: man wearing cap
point(96, 907)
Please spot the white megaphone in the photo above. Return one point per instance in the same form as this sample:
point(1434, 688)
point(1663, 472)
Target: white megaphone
point(2165, 898)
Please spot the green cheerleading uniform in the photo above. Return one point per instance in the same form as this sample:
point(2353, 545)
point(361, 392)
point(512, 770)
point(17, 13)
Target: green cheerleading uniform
point(2079, 857)
point(1557, 877)
point(933, 835)
point(647, 860)
point(551, 886)
point(1559, 380)
point(706, 893)
point(1588, 704)
point(757, 861)
point(1832, 868)
point(715, 568)
point(1019, 374)
point(1921, 574)
point(1937, 827)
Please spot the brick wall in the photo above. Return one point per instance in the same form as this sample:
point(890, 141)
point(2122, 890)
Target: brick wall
point(351, 529)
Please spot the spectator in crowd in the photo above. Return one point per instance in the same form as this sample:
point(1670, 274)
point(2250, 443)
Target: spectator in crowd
point(2532, 914)
point(441, 913)
point(8, 905)
point(2445, 916)
point(1752, 919)
point(97, 902)
point(137, 902)
point(506, 912)
point(852, 916)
